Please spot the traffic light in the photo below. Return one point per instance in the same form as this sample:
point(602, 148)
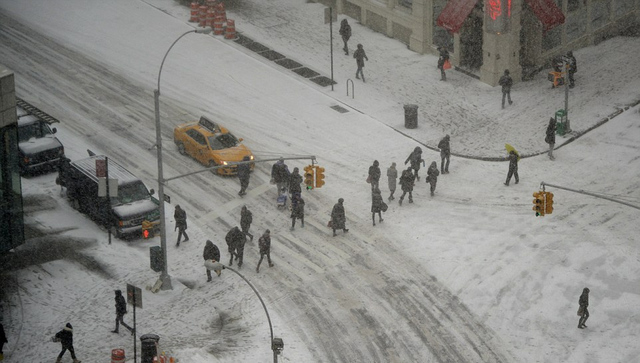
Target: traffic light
point(308, 176)
point(319, 176)
point(538, 203)
point(548, 203)
point(147, 229)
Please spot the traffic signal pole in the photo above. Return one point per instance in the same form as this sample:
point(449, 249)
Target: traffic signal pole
point(543, 184)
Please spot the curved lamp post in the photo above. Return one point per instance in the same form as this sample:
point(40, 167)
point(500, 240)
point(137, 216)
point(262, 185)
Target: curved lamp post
point(164, 276)
point(277, 345)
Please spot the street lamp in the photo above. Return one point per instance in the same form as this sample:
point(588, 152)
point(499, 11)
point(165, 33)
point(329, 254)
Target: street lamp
point(277, 345)
point(164, 276)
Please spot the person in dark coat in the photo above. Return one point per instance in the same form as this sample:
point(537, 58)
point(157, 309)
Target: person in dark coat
point(360, 56)
point(406, 183)
point(3, 339)
point(264, 243)
point(280, 174)
point(506, 82)
point(345, 32)
point(392, 176)
point(376, 205)
point(297, 211)
point(374, 175)
point(244, 172)
point(245, 221)
point(444, 56)
point(181, 223)
point(584, 304)
point(65, 337)
point(432, 176)
point(294, 183)
point(338, 217)
point(573, 68)
point(416, 159)
point(235, 241)
point(513, 167)
point(445, 154)
point(211, 253)
point(550, 137)
point(121, 309)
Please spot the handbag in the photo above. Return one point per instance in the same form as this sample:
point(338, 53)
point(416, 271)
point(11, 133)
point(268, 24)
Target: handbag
point(384, 207)
point(446, 65)
point(580, 311)
point(330, 224)
point(369, 179)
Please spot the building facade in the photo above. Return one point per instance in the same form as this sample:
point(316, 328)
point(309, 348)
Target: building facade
point(485, 37)
point(11, 218)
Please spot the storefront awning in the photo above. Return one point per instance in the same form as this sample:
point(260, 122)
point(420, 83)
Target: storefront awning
point(547, 12)
point(454, 14)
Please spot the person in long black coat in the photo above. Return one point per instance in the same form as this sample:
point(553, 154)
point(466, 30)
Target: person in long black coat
point(297, 211)
point(445, 153)
point(374, 175)
point(338, 217)
point(244, 172)
point(513, 167)
point(584, 304)
point(550, 137)
point(181, 224)
point(246, 217)
point(235, 241)
point(280, 174)
point(65, 336)
point(432, 176)
point(345, 32)
point(406, 184)
point(360, 56)
point(444, 56)
point(211, 252)
point(573, 68)
point(376, 205)
point(294, 182)
point(264, 243)
point(506, 82)
point(416, 159)
point(121, 309)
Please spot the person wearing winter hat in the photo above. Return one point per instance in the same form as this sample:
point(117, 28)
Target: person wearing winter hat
point(121, 309)
point(264, 243)
point(392, 175)
point(550, 137)
point(583, 312)
point(506, 82)
point(338, 218)
point(374, 175)
point(65, 337)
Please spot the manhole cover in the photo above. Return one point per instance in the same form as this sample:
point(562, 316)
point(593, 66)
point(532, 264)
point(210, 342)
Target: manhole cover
point(288, 63)
point(340, 109)
point(272, 55)
point(306, 72)
point(256, 47)
point(322, 81)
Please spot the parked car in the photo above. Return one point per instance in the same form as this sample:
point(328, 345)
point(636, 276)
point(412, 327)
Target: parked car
point(124, 213)
point(211, 145)
point(39, 149)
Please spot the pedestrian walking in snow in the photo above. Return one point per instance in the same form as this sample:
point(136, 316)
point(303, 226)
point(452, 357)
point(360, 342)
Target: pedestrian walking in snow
point(245, 221)
point(506, 82)
point(583, 312)
point(513, 167)
point(181, 224)
point(377, 205)
point(211, 252)
point(280, 175)
point(121, 309)
point(297, 211)
point(374, 175)
point(235, 241)
point(392, 176)
point(445, 154)
point(573, 68)
point(360, 56)
point(345, 32)
point(444, 57)
point(406, 183)
point(65, 337)
point(338, 217)
point(432, 176)
point(550, 137)
point(294, 183)
point(416, 159)
point(264, 243)
point(3, 339)
point(244, 172)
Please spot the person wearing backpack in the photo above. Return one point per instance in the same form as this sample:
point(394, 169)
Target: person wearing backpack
point(264, 243)
point(65, 337)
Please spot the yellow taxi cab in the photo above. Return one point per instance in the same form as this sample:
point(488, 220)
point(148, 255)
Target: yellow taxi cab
point(211, 145)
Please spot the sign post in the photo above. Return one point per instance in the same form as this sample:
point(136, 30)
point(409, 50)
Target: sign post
point(134, 297)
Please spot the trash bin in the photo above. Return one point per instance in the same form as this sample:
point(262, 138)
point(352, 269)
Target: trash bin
point(411, 116)
point(157, 259)
point(148, 347)
point(561, 122)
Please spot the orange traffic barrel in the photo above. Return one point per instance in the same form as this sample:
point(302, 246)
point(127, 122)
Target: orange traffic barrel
point(203, 16)
point(194, 13)
point(230, 32)
point(220, 11)
point(117, 356)
point(210, 17)
point(218, 25)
